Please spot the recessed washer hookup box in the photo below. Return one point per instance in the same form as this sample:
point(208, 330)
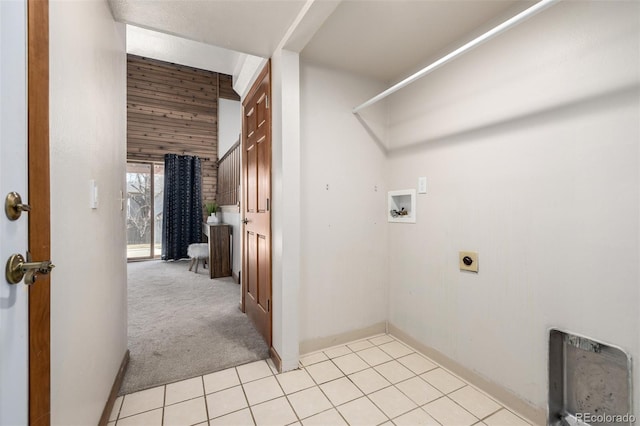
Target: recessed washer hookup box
point(589, 382)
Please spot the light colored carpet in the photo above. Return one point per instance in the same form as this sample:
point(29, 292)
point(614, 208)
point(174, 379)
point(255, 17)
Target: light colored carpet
point(183, 325)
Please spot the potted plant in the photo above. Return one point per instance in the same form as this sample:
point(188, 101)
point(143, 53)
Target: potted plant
point(212, 209)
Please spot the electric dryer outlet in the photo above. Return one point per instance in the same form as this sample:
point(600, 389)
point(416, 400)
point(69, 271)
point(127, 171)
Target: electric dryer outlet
point(468, 261)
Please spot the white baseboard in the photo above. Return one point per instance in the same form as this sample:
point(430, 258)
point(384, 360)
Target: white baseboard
point(338, 339)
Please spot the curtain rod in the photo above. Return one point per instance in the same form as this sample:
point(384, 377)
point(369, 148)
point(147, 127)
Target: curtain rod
point(541, 5)
point(192, 155)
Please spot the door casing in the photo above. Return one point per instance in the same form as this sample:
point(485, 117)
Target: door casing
point(40, 215)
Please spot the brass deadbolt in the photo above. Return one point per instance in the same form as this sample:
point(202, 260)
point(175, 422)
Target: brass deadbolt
point(13, 206)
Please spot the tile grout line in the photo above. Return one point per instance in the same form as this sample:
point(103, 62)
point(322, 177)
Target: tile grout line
point(186, 400)
point(119, 409)
point(224, 389)
point(479, 390)
point(459, 378)
point(253, 418)
point(365, 361)
point(420, 406)
point(500, 406)
point(164, 400)
point(367, 396)
point(381, 410)
point(231, 412)
point(450, 399)
point(438, 398)
point(322, 391)
point(393, 358)
point(318, 386)
point(347, 377)
point(204, 395)
point(286, 397)
point(145, 411)
point(391, 384)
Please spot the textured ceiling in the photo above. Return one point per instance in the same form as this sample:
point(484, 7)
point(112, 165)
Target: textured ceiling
point(387, 40)
point(248, 26)
point(381, 39)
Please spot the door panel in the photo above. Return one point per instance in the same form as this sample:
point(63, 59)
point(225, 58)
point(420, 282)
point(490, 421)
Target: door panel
point(251, 180)
point(264, 281)
point(14, 320)
point(256, 144)
point(263, 179)
point(250, 122)
point(261, 108)
point(251, 273)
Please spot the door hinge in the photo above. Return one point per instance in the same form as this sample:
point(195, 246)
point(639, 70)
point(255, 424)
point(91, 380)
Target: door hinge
point(268, 305)
point(266, 100)
point(268, 204)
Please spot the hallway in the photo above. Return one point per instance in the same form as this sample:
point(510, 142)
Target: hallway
point(183, 324)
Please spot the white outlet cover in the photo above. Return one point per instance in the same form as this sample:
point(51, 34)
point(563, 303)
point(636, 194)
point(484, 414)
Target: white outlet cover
point(93, 194)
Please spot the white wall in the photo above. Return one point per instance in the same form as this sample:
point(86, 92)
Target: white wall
point(285, 194)
point(229, 124)
point(344, 245)
point(231, 216)
point(178, 50)
point(530, 148)
point(247, 70)
point(88, 140)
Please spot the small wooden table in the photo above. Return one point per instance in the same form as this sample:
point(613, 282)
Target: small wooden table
point(219, 235)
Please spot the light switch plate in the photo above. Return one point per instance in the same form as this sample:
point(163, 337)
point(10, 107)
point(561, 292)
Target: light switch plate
point(422, 185)
point(470, 255)
point(93, 194)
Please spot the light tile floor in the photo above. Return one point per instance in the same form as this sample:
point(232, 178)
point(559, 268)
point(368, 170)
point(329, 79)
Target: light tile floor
point(374, 381)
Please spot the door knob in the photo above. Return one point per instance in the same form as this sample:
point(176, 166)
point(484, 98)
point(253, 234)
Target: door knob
point(13, 206)
point(17, 268)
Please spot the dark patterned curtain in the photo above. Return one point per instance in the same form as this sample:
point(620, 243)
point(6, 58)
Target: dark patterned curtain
point(182, 224)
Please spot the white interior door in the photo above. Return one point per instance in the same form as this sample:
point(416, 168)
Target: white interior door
point(14, 323)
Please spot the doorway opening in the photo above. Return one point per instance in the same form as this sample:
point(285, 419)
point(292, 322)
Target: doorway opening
point(145, 201)
point(183, 323)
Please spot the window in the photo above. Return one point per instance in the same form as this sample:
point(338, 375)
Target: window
point(145, 197)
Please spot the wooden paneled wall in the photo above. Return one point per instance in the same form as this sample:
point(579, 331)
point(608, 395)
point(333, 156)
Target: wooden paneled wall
point(174, 109)
point(229, 176)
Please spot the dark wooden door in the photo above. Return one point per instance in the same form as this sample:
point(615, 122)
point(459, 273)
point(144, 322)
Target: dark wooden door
point(256, 168)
